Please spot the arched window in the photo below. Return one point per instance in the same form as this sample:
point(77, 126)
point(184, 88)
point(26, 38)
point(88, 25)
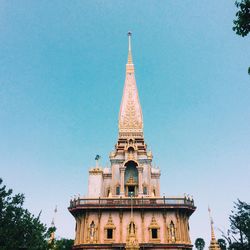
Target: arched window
point(131, 178)
point(117, 190)
point(131, 150)
point(108, 192)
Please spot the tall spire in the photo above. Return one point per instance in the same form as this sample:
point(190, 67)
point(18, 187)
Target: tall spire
point(213, 243)
point(130, 117)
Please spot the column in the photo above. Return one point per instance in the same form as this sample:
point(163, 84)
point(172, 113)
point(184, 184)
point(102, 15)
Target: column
point(82, 229)
point(142, 227)
point(165, 232)
point(182, 228)
point(185, 229)
point(179, 227)
point(122, 171)
point(78, 228)
point(140, 169)
point(121, 231)
point(99, 227)
point(85, 236)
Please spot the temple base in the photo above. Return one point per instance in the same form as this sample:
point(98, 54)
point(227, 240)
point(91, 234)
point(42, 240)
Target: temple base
point(142, 246)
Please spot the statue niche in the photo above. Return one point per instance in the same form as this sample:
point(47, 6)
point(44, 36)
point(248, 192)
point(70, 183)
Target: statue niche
point(92, 233)
point(131, 178)
point(172, 232)
point(132, 242)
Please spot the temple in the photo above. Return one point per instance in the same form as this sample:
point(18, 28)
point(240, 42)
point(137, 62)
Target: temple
point(124, 208)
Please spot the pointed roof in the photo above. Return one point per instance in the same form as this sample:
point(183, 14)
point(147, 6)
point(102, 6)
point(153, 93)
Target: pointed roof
point(213, 243)
point(130, 117)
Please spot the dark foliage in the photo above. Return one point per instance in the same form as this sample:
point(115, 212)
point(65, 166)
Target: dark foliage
point(19, 229)
point(242, 22)
point(238, 236)
point(63, 244)
point(199, 244)
point(222, 243)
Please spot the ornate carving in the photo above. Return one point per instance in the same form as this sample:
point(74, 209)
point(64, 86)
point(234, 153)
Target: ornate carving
point(154, 231)
point(131, 181)
point(109, 235)
point(172, 232)
point(95, 171)
point(92, 233)
point(132, 242)
point(130, 119)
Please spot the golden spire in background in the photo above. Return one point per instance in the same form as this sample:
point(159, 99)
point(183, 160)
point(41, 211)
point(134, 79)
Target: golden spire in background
point(213, 243)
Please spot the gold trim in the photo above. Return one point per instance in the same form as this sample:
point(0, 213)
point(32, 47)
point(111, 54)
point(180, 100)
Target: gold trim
point(109, 225)
point(154, 225)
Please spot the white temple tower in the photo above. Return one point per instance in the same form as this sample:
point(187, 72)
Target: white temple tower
point(124, 208)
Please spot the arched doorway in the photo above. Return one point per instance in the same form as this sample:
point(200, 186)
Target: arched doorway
point(131, 179)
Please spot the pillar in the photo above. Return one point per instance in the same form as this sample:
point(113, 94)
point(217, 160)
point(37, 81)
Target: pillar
point(165, 232)
point(122, 172)
point(85, 238)
point(121, 219)
point(140, 169)
point(78, 228)
point(82, 229)
point(142, 227)
point(99, 227)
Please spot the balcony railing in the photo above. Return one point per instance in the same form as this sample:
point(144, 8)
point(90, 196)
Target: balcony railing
point(136, 202)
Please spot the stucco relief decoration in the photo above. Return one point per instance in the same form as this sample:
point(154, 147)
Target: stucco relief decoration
point(130, 111)
point(132, 242)
point(172, 232)
point(92, 235)
point(109, 226)
point(154, 226)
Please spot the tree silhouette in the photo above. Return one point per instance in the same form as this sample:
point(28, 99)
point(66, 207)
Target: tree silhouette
point(242, 22)
point(19, 229)
point(199, 244)
point(222, 243)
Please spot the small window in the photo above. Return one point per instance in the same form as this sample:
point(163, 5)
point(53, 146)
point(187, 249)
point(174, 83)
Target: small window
point(109, 233)
point(145, 190)
point(108, 192)
point(131, 150)
point(154, 233)
point(117, 190)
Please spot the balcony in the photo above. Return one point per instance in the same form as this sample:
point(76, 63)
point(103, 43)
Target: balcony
point(167, 203)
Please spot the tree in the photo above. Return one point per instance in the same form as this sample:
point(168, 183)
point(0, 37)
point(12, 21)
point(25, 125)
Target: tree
point(63, 244)
point(242, 23)
point(222, 243)
point(240, 224)
point(199, 244)
point(238, 236)
point(19, 229)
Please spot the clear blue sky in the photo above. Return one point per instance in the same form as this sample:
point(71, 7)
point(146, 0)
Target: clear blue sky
point(62, 69)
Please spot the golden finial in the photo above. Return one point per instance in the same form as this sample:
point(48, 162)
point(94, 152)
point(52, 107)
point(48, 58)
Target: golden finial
point(130, 61)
